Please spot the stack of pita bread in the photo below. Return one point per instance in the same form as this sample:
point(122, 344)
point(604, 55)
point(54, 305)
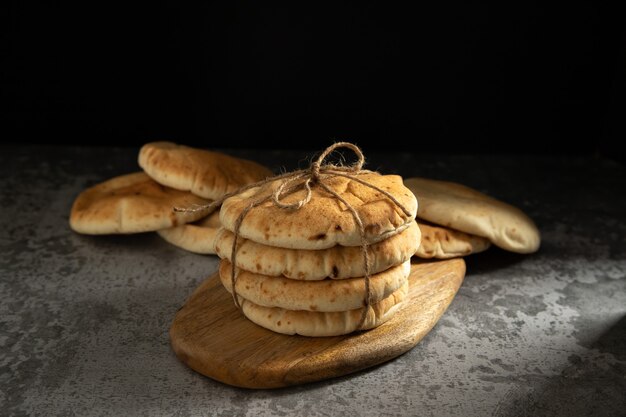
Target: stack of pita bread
point(173, 176)
point(456, 220)
point(302, 271)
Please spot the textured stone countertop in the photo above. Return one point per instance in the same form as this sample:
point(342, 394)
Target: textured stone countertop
point(84, 320)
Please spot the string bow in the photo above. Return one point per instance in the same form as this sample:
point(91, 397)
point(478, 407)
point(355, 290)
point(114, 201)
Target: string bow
point(307, 179)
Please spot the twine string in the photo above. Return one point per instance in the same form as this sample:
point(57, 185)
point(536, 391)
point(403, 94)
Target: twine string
point(306, 179)
point(233, 253)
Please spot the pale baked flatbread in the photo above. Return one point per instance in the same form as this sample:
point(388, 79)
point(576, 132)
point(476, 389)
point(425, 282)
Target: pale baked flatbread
point(131, 203)
point(205, 173)
point(336, 262)
point(463, 208)
point(317, 324)
point(443, 243)
point(198, 237)
point(324, 295)
point(323, 222)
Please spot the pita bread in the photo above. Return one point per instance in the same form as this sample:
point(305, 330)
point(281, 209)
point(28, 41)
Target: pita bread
point(324, 295)
point(467, 210)
point(336, 262)
point(131, 203)
point(323, 222)
point(198, 237)
point(443, 243)
point(317, 324)
point(206, 174)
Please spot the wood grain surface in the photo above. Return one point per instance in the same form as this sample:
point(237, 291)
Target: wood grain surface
point(212, 337)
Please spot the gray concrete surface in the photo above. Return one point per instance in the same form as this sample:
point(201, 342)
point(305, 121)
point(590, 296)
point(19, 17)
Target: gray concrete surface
point(84, 320)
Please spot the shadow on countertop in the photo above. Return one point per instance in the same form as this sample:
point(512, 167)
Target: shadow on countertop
point(592, 385)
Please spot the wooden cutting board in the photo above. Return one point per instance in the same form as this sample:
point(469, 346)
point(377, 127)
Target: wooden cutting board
point(212, 337)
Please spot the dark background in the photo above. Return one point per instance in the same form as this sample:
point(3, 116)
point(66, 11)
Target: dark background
point(454, 77)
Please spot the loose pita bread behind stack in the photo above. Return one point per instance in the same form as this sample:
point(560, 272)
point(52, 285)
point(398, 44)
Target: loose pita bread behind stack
point(302, 271)
point(444, 243)
point(175, 176)
point(131, 203)
point(205, 173)
point(197, 237)
point(464, 209)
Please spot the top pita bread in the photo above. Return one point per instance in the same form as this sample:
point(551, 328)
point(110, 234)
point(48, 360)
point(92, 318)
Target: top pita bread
point(206, 174)
point(131, 203)
point(462, 208)
point(324, 221)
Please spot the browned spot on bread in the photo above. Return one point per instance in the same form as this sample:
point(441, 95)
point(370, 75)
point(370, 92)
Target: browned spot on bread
point(335, 271)
point(258, 266)
point(278, 323)
point(373, 229)
point(321, 236)
point(338, 228)
point(313, 307)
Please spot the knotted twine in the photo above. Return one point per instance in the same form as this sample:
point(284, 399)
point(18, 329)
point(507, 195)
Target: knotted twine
point(306, 179)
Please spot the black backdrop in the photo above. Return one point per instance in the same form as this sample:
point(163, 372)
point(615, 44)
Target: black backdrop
point(444, 76)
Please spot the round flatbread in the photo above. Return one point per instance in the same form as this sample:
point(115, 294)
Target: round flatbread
point(131, 203)
point(463, 208)
point(317, 324)
point(443, 243)
point(324, 221)
point(336, 262)
point(205, 173)
point(197, 237)
point(325, 295)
